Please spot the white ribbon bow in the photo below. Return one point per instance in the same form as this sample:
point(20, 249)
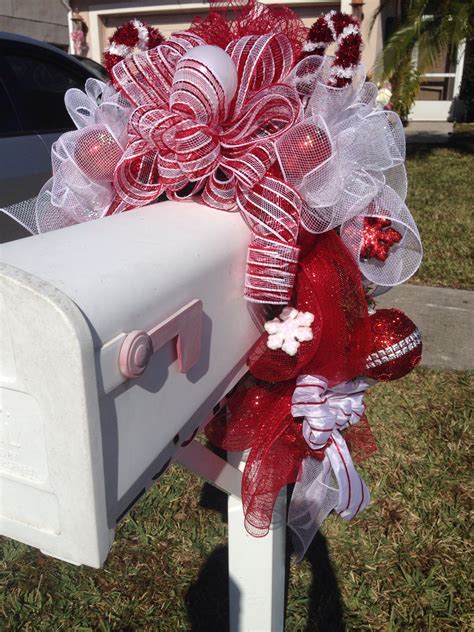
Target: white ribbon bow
point(333, 483)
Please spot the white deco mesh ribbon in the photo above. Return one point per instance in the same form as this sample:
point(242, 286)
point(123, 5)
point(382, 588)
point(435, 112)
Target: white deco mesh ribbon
point(334, 483)
point(350, 165)
point(83, 162)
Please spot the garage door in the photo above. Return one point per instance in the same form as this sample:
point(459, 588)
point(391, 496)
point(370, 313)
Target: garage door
point(169, 23)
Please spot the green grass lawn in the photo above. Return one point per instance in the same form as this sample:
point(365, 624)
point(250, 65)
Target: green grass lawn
point(441, 199)
point(402, 565)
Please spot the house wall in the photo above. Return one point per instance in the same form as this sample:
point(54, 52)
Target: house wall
point(45, 20)
point(373, 38)
point(169, 23)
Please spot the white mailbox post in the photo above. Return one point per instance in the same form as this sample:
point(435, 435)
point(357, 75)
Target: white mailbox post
point(118, 340)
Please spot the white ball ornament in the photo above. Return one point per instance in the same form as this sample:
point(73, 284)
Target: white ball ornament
point(219, 64)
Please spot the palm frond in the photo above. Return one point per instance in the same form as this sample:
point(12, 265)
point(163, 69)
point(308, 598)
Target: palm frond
point(435, 27)
point(398, 47)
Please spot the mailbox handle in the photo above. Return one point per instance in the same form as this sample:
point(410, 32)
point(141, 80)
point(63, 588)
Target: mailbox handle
point(185, 325)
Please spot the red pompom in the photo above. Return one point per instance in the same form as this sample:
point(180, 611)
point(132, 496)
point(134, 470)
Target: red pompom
point(396, 345)
point(126, 35)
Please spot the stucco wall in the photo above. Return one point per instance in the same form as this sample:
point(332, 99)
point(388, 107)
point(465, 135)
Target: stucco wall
point(169, 23)
point(45, 20)
point(374, 42)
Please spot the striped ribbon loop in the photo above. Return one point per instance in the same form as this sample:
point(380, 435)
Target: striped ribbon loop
point(184, 131)
point(309, 401)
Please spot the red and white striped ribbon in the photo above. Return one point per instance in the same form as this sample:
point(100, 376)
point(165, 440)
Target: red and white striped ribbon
point(184, 131)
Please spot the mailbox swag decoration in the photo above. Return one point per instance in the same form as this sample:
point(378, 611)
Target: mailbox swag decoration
point(245, 112)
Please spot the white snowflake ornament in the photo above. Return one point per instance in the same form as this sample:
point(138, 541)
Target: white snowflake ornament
point(288, 330)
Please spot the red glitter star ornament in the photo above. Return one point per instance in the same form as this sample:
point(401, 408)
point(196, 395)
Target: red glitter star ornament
point(378, 238)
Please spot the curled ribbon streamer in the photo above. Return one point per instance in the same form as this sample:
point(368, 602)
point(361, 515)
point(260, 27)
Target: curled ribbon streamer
point(333, 483)
point(185, 130)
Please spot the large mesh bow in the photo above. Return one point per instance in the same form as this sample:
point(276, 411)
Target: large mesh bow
point(184, 131)
point(83, 162)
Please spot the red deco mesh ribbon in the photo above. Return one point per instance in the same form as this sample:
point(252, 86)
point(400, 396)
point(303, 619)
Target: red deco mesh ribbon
point(187, 138)
point(230, 19)
point(259, 418)
point(360, 440)
point(328, 285)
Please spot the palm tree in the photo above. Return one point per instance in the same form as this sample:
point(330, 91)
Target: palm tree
point(433, 28)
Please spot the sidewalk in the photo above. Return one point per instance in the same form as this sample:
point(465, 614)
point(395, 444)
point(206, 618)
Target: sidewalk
point(429, 132)
point(445, 318)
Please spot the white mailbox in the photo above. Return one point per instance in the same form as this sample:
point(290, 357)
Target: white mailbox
point(155, 294)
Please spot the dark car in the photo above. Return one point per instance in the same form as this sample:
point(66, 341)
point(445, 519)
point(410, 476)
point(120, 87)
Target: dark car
point(96, 69)
point(33, 80)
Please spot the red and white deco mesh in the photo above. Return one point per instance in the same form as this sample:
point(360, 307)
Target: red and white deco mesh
point(294, 144)
point(179, 136)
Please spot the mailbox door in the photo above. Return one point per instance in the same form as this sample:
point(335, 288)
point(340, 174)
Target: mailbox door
point(51, 471)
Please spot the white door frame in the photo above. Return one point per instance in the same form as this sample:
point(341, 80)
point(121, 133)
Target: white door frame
point(439, 110)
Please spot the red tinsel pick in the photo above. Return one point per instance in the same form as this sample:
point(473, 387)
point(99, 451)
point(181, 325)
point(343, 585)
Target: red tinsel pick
point(127, 36)
point(348, 55)
point(378, 238)
point(319, 33)
point(328, 29)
